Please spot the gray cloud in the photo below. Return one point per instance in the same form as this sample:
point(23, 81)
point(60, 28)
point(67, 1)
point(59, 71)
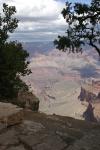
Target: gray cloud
point(38, 20)
point(40, 35)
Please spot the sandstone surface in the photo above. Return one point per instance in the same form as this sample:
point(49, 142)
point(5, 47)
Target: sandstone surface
point(50, 132)
point(10, 114)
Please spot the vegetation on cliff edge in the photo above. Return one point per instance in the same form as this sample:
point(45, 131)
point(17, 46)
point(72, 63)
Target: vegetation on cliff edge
point(13, 58)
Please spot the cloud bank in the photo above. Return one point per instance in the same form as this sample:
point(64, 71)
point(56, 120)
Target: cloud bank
point(39, 19)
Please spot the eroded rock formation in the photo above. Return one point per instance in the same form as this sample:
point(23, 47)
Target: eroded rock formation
point(28, 100)
point(88, 95)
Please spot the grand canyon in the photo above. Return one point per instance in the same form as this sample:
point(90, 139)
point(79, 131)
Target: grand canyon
point(58, 77)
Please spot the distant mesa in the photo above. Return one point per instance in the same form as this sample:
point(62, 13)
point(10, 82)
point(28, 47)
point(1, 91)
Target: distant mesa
point(89, 114)
point(90, 91)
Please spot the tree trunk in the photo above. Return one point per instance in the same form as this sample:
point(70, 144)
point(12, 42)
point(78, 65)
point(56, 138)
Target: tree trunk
point(96, 48)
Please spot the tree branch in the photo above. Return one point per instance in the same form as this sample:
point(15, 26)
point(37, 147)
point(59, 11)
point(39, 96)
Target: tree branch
point(96, 47)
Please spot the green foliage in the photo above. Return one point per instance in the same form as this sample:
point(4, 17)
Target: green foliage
point(7, 22)
point(83, 27)
point(13, 63)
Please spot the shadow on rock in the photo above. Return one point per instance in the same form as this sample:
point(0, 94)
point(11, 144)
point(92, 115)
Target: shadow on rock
point(89, 114)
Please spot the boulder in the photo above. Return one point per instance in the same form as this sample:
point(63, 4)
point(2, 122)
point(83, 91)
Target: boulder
point(28, 100)
point(10, 114)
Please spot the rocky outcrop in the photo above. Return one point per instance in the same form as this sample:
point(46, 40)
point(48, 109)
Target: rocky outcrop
point(89, 114)
point(88, 96)
point(10, 114)
point(28, 100)
point(90, 91)
point(42, 132)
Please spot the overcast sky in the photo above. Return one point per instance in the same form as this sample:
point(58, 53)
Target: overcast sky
point(39, 19)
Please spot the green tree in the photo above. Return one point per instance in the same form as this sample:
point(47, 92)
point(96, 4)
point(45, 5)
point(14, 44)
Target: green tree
point(83, 27)
point(13, 58)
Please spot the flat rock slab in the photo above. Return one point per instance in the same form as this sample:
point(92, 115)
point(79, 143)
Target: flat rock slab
point(40, 132)
point(8, 138)
point(90, 141)
point(30, 127)
point(16, 148)
point(10, 114)
point(51, 143)
point(43, 142)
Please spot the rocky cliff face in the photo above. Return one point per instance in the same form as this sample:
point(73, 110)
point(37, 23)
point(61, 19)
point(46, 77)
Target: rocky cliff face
point(92, 99)
point(28, 100)
point(88, 96)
